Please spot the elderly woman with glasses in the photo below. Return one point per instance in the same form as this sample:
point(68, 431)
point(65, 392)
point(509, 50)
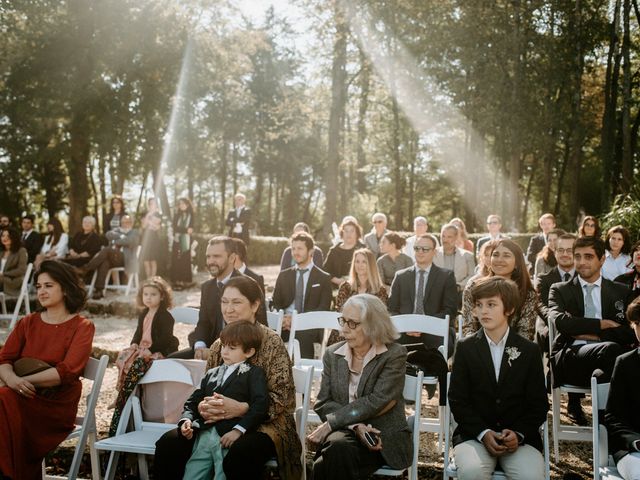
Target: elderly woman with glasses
point(360, 399)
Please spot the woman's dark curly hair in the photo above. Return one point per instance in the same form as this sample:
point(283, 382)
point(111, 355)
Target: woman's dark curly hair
point(75, 296)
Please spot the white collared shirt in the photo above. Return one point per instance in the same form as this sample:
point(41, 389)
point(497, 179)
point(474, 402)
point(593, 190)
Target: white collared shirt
point(497, 351)
point(230, 369)
point(614, 267)
point(571, 273)
point(305, 281)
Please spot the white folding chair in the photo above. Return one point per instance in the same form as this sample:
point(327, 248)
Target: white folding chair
point(274, 319)
point(142, 440)
point(326, 320)
point(460, 322)
point(450, 471)
point(92, 285)
point(604, 468)
point(560, 430)
point(413, 392)
point(22, 298)
point(186, 315)
point(303, 379)
point(434, 326)
point(114, 274)
point(85, 428)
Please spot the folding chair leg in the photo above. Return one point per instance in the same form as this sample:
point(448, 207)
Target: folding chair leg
point(95, 457)
point(112, 466)
point(555, 422)
point(441, 414)
point(143, 471)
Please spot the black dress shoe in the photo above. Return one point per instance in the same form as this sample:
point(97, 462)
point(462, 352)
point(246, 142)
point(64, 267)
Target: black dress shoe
point(575, 413)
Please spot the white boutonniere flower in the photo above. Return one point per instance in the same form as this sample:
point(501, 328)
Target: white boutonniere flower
point(512, 354)
point(243, 368)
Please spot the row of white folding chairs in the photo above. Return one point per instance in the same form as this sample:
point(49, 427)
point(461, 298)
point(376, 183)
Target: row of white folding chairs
point(21, 299)
point(112, 282)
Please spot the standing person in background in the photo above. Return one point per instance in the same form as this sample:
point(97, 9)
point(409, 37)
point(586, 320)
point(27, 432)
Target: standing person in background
point(494, 225)
point(392, 259)
point(153, 248)
point(183, 222)
point(547, 222)
point(338, 261)
point(463, 237)
point(13, 262)
point(56, 243)
point(373, 238)
point(618, 247)
point(287, 260)
point(241, 263)
point(152, 210)
point(420, 227)
point(31, 240)
point(114, 217)
point(590, 227)
point(239, 219)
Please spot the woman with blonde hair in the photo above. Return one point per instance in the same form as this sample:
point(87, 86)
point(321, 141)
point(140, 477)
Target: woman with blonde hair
point(463, 238)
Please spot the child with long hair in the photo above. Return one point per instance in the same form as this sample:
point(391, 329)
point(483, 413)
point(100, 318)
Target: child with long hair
point(153, 340)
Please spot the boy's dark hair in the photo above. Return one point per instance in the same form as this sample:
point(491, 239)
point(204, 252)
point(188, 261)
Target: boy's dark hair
point(241, 249)
point(303, 237)
point(246, 334)
point(633, 311)
point(495, 286)
point(590, 242)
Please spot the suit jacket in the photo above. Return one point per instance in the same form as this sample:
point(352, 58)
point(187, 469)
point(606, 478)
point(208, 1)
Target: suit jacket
point(536, 244)
point(381, 382)
point(162, 338)
point(33, 244)
point(629, 279)
point(250, 387)
point(566, 310)
point(441, 294)
point(128, 242)
point(258, 278)
point(244, 218)
point(372, 243)
point(517, 401)
point(14, 271)
point(317, 295)
point(464, 265)
point(622, 416)
point(210, 322)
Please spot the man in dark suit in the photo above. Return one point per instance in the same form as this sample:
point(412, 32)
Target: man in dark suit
point(497, 393)
point(31, 240)
point(588, 313)
point(241, 263)
point(221, 257)
point(564, 272)
point(494, 225)
point(239, 219)
point(547, 223)
point(622, 416)
point(425, 289)
point(303, 288)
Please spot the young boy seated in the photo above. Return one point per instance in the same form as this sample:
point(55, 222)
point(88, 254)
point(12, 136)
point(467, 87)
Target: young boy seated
point(497, 393)
point(623, 416)
point(236, 379)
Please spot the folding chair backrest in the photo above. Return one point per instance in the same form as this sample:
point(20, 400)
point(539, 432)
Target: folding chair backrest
point(166, 370)
point(303, 380)
point(274, 319)
point(312, 320)
point(23, 296)
point(599, 396)
point(424, 324)
point(185, 315)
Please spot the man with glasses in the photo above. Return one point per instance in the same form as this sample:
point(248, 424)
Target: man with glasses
point(303, 288)
point(372, 239)
point(494, 225)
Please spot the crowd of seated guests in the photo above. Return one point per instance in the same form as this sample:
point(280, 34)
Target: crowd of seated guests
point(583, 286)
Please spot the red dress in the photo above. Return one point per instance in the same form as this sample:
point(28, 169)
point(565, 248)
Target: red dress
point(30, 428)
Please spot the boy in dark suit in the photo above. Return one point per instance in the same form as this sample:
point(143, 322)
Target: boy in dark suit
point(497, 393)
point(235, 379)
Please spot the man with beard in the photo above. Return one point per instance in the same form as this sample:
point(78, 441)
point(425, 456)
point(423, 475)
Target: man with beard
point(221, 256)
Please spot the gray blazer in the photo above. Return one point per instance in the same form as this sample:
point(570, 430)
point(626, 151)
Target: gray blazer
point(13, 272)
point(382, 381)
point(129, 243)
point(371, 241)
point(464, 265)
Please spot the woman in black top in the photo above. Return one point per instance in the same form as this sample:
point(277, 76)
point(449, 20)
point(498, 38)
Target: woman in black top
point(85, 244)
point(338, 261)
point(181, 254)
point(118, 210)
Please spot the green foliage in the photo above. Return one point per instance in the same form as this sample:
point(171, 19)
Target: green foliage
point(625, 211)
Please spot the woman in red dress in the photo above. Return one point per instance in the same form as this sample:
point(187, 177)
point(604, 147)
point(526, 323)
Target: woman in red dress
point(38, 411)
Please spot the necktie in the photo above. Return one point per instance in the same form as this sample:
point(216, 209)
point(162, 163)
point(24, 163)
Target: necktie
point(299, 302)
point(589, 306)
point(220, 378)
point(220, 286)
point(567, 277)
point(420, 294)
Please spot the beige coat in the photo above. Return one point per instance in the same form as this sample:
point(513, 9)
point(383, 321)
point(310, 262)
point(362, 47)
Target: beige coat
point(13, 273)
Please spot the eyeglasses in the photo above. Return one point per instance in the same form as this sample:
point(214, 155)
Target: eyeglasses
point(349, 323)
point(493, 222)
point(378, 221)
point(561, 251)
point(422, 249)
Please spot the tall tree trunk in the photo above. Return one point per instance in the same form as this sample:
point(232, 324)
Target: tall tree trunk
point(627, 158)
point(338, 102)
point(575, 161)
point(397, 165)
point(365, 83)
point(223, 180)
point(77, 168)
